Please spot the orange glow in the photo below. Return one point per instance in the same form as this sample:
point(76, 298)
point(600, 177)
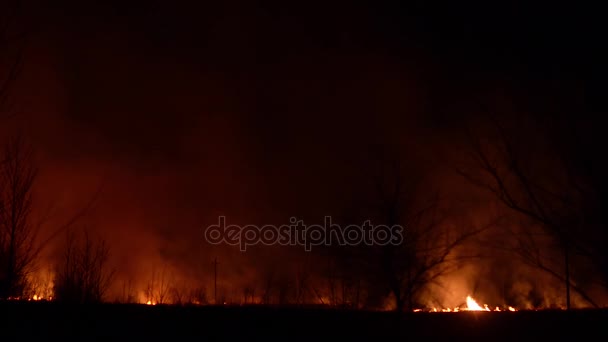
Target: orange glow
point(471, 305)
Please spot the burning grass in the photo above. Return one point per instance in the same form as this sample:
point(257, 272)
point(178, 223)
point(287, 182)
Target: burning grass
point(471, 305)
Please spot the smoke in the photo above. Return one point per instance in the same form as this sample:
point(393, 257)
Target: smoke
point(256, 123)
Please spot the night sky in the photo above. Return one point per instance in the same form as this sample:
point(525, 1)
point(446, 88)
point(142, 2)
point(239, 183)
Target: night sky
point(170, 113)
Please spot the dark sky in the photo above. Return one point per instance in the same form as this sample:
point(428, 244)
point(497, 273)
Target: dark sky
point(268, 109)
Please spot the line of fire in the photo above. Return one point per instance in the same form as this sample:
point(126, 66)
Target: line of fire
point(398, 169)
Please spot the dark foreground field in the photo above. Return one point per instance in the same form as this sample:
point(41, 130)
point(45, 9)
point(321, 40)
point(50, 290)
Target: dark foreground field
point(25, 321)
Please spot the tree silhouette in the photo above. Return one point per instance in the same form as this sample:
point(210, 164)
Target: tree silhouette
point(21, 238)
point(158, 288)
point(83, 275)
point(430, 244)
point(533, 175)
point(18, 234)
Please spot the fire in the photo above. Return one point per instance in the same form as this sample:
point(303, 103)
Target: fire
point(32, 298)
point(471, 305)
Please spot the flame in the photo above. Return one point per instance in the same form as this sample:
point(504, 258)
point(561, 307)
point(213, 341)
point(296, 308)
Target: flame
point(35, 297)
point(473, 306)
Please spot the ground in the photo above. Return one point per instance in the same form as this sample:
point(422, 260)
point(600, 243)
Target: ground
point(34, 320)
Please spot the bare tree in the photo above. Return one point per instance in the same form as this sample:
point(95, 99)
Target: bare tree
point(302, 276)
point(41, 286)
point(158, 288)
point(248, 294)
point(21, 243)
point(268, 286)
point(178, 294)
point(342, 278)
point(284, 289)
point(537, 180)
point(430, 245)
point(198, 296)
point(83, 276)
point(21, 238)
point(128, 292)
point(17, 231)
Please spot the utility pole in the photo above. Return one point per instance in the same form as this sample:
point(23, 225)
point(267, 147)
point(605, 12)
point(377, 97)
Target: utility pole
point(567, 264)
point(215, 263)
point(566, 247)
